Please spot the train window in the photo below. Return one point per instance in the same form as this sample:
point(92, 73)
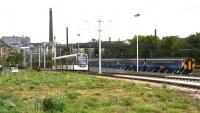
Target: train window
point(63, 61)
point(71, 60)
point(82, 60)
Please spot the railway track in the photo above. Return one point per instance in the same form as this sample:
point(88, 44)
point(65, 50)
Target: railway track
point(184, 81)
point(186, 78)
point(189, 84)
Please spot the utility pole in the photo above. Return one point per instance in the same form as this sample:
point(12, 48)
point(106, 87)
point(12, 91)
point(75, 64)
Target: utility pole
point(137, 56)
point(99, 30)
point(54, 44)
point(78, 35)
point(39, 57)
point(44, 55)
point(24, 53)
point(31, 60)
point(90, 50)
point(25, 49)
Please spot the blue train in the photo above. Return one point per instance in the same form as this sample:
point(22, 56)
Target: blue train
point(163, 65)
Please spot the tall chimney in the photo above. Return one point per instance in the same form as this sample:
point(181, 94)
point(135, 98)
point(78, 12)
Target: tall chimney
point(67, 36)
point(155, 35)
point(110, 39)
point(50, 26)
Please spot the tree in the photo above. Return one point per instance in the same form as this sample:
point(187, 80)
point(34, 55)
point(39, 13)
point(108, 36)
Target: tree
point(178, 47)
point(166, 46)
point(15, 58)
point(65, 50)
point(147, 46)
point(115, 50)
point(193, 43)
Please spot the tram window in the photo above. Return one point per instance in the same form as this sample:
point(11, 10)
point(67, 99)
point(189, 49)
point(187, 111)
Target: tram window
point(71, 60)
point(82, 60)
point(63, 61)
point(68, 61)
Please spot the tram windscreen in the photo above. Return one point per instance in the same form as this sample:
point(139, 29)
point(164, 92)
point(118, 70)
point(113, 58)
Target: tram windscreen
point(82, 60)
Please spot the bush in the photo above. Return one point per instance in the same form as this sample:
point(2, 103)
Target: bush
point(53, 105)
point(49, 104)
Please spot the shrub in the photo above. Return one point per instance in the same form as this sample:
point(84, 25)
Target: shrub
point(49, 104)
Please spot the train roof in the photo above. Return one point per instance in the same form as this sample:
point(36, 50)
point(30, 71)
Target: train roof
point(141, 59)
point(67, 56)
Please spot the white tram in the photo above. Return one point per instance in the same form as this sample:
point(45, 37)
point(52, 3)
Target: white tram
point(78, 61)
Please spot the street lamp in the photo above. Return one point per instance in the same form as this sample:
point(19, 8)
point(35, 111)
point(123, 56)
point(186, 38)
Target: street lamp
point(78, 35)
point(39, 57)
point(137, 15)
point(54, 50)
point(90, 50)
point(31, 60)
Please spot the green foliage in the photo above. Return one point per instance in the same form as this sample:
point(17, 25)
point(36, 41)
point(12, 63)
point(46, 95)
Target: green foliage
point(115, 50)
point(8, 104)
point(49, 104)
point(129, 86)
point(15, 58)
point(151, 46)
point(148, 109)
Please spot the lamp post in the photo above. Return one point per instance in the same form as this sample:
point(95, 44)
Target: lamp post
point(137, 15)
point(54, 50)
point(90, 50)
point(31, 60)
point(24, 54)
point(44, 55)
point(39, 57)
point(78, 44)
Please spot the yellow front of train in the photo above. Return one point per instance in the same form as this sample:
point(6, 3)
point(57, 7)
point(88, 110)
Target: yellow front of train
point(188, 65)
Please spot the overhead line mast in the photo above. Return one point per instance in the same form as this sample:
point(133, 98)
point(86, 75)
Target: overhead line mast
point(99, 30)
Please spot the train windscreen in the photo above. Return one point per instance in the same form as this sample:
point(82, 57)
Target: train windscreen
point(82, 60)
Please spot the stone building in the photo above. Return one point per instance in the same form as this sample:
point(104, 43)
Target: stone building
point(16, 41)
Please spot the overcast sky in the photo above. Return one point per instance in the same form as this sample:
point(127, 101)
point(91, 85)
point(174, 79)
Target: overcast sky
point(31, 18)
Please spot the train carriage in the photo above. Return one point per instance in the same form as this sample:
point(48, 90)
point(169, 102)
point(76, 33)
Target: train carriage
point(77, 62)
point(163, 65)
